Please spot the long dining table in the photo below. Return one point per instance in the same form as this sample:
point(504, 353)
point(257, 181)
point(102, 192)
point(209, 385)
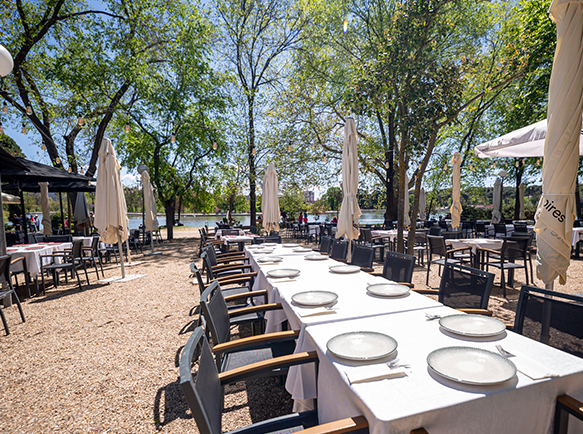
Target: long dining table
point(418, 396)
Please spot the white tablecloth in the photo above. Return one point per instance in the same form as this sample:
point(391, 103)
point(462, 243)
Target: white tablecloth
point(485, 243)
point(86, 240)
point(391, 234)
point(33, 255)
point(577, 236)
point(426, 399)
point(219, 232)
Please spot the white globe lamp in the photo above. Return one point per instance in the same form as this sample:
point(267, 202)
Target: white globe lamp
point(6, 62)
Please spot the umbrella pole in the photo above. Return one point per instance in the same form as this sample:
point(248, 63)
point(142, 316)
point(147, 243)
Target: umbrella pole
point(128, 249)
point(119, 246)
point(24, 228)
point(2, 227)
point(62, 215)
point(545, 335)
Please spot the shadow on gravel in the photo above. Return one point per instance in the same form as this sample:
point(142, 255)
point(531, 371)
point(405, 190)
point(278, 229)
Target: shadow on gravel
point(57, 293)
point(174, 406)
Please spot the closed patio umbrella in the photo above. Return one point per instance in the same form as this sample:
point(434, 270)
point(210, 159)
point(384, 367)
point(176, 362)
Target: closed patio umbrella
point(521, 201)
point(496, 201)
point(110, 205)
point(556, 210)
point(150, 211)
point(44, 203)
point(422, 203)
point(269, 200)
point(349, 211)
point(81, 214)
point(456, 204)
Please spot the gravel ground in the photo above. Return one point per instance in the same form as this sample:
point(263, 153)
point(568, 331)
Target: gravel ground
point(105, 359)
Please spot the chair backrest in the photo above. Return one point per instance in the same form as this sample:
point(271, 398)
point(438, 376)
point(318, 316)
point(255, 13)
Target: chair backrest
point(436, 246)
point(500, 228)
point(253, 229)
point(443, 224)
point(215, 312)
point(60, 238)
point(77, 249)
point(465, 287)
point(520, 227)
point(553, 318)
point(273, 239)
point(325, 243)
point(366, 234)
point(515, 247)
point(398, 267)
point(94, 246)
point(339, 249)
point(207, 263)
point(212, 255)
point(198, 274)
point(39, 238)
point(230, 232)
point(435, 231)
point(204, 395)
point(481, 228)
point(258, 240)
point(5, 269)
point(362, 256)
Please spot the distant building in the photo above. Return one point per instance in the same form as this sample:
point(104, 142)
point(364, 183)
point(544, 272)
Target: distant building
point(309, 196)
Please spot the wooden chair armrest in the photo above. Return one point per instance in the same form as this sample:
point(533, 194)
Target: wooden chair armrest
point(509, 326)
point(15, 260)
point(367, 270)
point(483, 249)
point(225, 280)
point(485, 312)
point(257, 368)
point(233, 253)
point(572, 405)
point(410, 285)
point(222, 259)
point(254, 309)
point(258, 293)
point(458, 249)
point(338, 426)
point(376, 274)
point(427, 291)
point(56, 256)
point(222, 268)
point(266, 338)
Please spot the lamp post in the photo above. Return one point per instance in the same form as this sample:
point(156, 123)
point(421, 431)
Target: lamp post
point(143, 168)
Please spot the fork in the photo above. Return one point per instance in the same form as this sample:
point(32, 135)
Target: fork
point(431, 317)
point(394, 364)
point(505, 353)
point(330, 308)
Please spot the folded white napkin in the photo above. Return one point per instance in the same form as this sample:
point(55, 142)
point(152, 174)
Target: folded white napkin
point(315, 311)
point(282, 279)
point(362, 374)
point(531, 368)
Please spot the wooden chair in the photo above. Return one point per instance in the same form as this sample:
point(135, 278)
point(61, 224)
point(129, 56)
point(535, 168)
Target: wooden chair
point(204, 393)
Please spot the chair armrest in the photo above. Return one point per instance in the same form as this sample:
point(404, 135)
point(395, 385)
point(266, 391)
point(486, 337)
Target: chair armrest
point(254, 309)
point(572, 405)
point(245, 343)
point(419, 431)
point(15, 260)
point(238, 278)
point(257, 368)
point(220, 268)
point(367, 270)
point(496, 252)
point(258, 293)
point(427, 291)
point(410, 285)
point(56, 256)
point(376, 274)
point(509, 326)
point(222, 255)
point(224, 281)
point(458, 249)
point(485, 312)
point(338, 426)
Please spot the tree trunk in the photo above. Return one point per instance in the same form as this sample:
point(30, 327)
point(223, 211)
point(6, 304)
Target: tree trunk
point(519, 173)
point(252, 170)
point(389, 169)
point(401, 199)
point(169, 208)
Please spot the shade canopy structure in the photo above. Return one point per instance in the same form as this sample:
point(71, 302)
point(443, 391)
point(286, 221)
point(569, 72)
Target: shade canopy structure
point(525, 142)
point(33, 171)
point(10, 199)
point(72, 186)
point(110, 205)
point(456, 204)
point(556, 210)
point(349, 211)
point(269, 200)
point(497, 201)
point(422, 203)
point(7, 162)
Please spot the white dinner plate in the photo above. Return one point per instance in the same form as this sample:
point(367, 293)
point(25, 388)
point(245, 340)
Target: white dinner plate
point(301, 250)
point(264, 251)
point(362, 345)
point(471, 365)
point(290, 245)
point(345, 269)
point(283, 272)
point(316, 257)
point(269, 244)
point(270, 259)
point(472, 325)
point(314, 298)
point(388, 289)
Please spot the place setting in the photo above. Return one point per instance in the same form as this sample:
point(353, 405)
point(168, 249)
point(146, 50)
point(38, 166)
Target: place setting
point(280, 275)
point(269, 260)
point(312, 303)
point(388, 290)
point(316, 257)
point(344, 269)
point(360, 353)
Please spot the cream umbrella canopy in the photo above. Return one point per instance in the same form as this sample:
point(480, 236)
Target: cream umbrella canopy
point(521, 201)
point(349, 211)
point(44, 203)
point(422, 203)
point(269, 200)
point(81, 213)
point(456, 204)
point(496, 199)
point(556, 210)
point(110, 205)
point(151, 213)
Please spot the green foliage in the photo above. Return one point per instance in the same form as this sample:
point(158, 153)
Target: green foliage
point(333, 197)
point(292, 202)
point(10, 146)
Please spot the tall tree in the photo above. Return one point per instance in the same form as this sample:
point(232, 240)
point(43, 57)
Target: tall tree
point(258, 35)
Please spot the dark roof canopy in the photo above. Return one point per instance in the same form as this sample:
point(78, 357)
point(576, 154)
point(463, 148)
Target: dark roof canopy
point(60, 186)
point(8, 162)
point(38, 172)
